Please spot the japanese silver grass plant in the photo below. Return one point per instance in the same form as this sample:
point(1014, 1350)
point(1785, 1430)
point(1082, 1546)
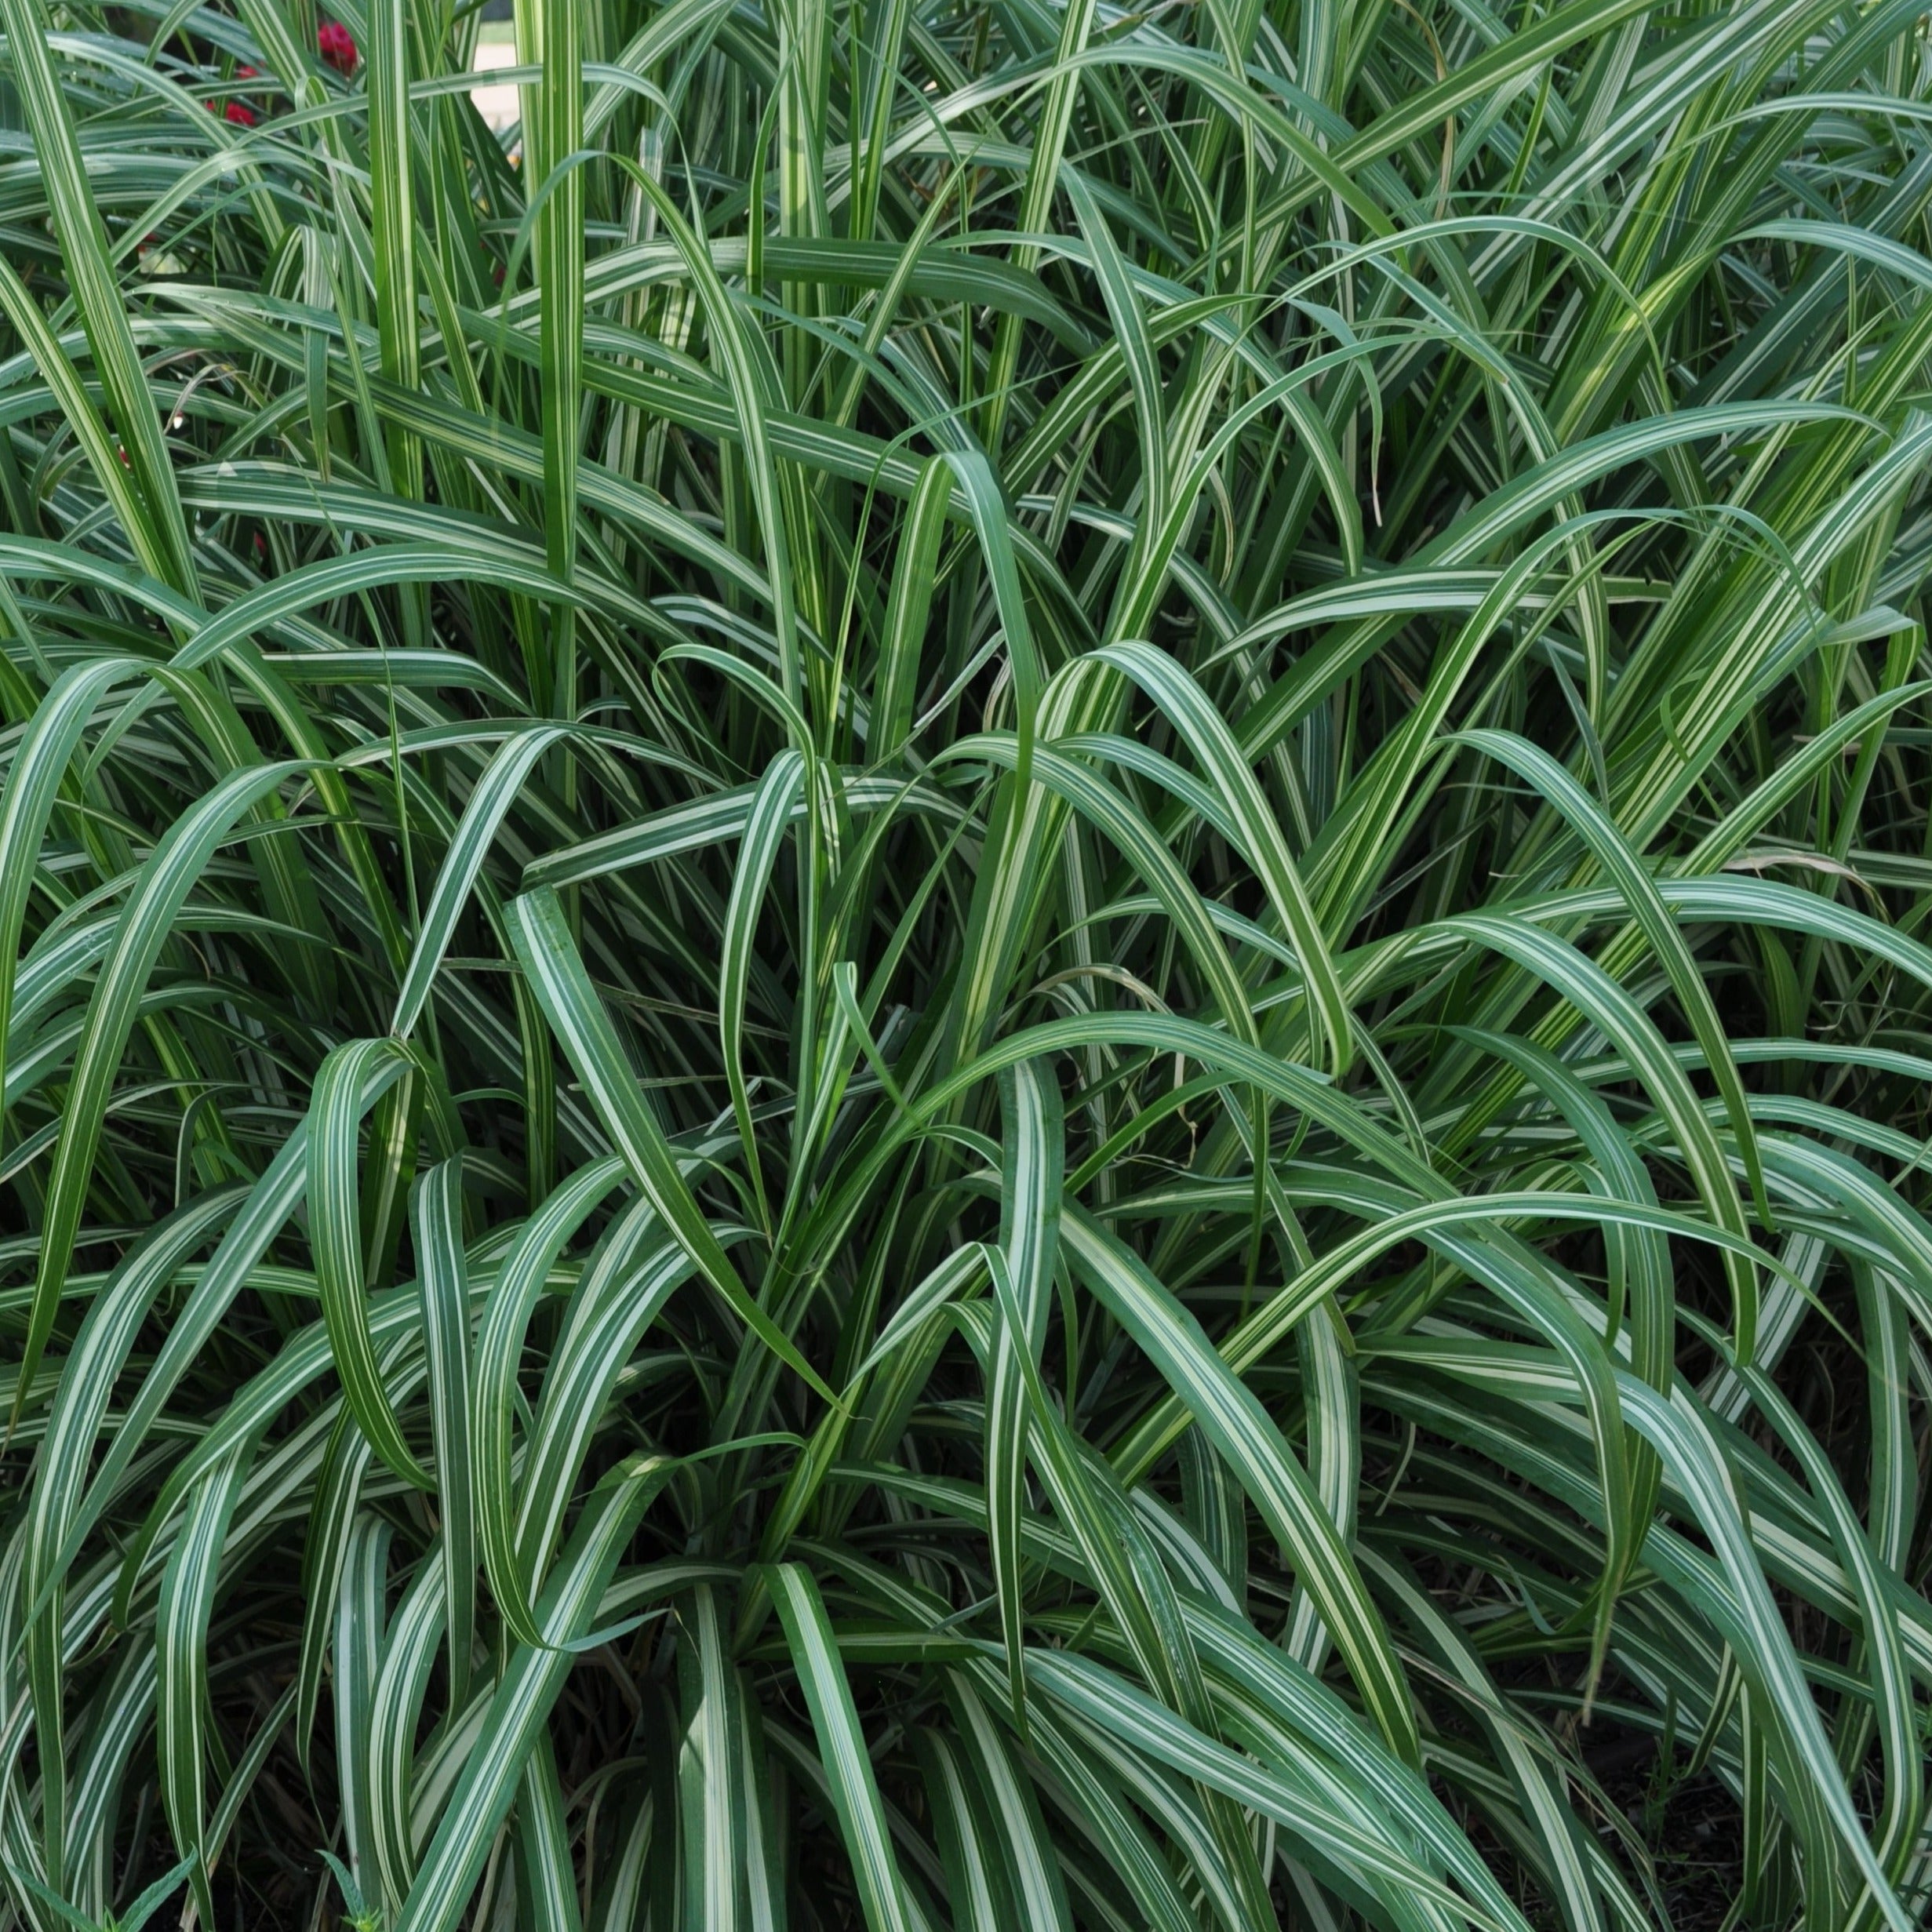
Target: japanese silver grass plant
point(967, 972)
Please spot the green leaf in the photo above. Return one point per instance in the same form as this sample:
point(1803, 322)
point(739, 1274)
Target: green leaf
point(340, 1097)
point(164, 880)
point(436, 1228)
point(555, 970)
point(842, 1747)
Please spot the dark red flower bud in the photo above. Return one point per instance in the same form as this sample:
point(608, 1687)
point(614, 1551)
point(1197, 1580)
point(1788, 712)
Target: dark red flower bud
point(337, 46)
point(240, 115)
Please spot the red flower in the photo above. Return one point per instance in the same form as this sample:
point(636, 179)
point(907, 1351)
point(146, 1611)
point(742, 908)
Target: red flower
point(245, 74)
point(337, 46)
point(240, 115)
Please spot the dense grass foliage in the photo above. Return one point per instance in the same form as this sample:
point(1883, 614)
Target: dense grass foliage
point(970, 973)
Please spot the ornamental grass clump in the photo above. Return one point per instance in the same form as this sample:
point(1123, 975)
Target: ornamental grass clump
point(968, 971)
